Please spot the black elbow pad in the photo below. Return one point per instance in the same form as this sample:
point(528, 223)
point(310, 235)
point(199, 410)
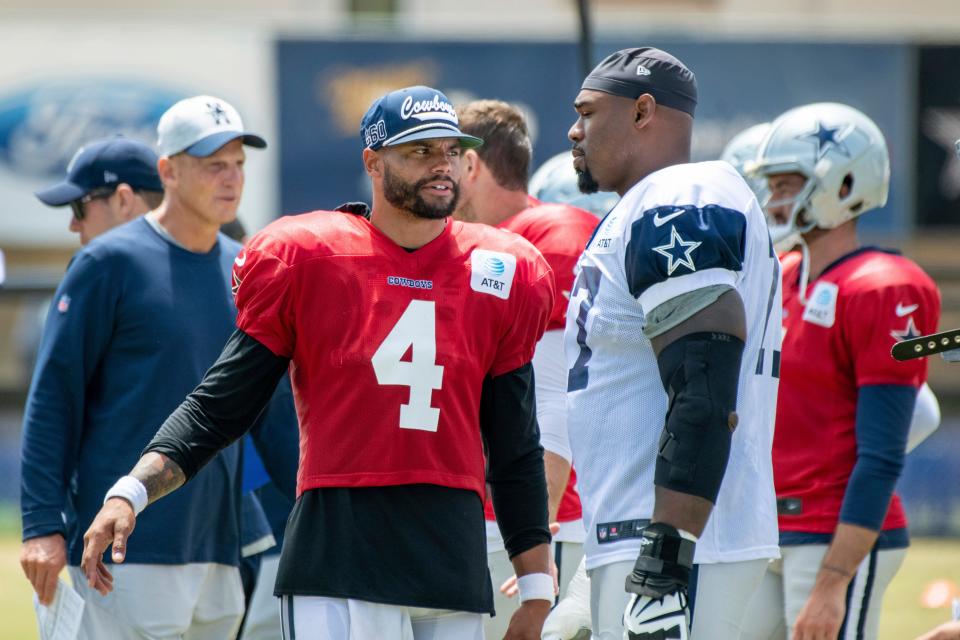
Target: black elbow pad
point(700, 373)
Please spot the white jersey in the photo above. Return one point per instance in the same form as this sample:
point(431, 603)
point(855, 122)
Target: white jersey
point(680, 229)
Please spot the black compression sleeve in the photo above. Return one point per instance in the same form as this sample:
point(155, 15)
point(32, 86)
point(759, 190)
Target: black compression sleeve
point(223, 407)
point(508, 420)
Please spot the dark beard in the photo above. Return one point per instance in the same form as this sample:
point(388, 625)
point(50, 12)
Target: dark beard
point(406, 196)
point(586, 182)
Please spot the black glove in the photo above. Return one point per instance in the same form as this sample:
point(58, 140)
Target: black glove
point(658, 608)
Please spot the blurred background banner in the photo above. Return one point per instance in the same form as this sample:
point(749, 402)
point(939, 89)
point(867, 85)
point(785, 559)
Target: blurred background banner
point(64, 84)
point(938, 128)
point(325, 86)
point(745, 83)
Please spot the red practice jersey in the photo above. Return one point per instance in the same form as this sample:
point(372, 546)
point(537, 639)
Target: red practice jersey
point(856, 310)
point(560, 232)
point(389, 348)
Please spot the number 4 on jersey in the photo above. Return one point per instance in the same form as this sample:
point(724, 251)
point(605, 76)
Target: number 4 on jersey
point(416, 330)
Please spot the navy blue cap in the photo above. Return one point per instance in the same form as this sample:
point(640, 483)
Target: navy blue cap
point(413, 113)
point(105, 163)
point(630, 73)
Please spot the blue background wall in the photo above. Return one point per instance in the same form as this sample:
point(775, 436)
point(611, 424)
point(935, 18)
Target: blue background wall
point(322, 97)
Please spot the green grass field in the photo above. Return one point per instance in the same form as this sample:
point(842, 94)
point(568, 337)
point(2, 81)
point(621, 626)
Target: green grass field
point(903, 618)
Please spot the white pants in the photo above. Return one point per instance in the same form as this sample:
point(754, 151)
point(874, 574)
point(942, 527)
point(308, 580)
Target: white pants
point(320, 618)
point(566, 554)
point(788, 582)
point(263, 614)
point(722, 593)
point(201, 601)
point(570, 619)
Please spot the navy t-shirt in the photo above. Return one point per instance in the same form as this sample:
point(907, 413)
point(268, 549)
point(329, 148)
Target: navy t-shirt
point(133, 327)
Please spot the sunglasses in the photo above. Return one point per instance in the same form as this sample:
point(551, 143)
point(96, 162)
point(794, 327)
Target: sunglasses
point(97, 194)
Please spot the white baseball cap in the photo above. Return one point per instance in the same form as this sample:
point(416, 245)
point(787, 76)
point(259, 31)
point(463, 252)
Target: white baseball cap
point(199, 126)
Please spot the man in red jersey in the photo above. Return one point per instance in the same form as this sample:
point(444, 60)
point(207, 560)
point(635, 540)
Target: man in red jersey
point(494, 192)
point(408, 338)
point(844, 406)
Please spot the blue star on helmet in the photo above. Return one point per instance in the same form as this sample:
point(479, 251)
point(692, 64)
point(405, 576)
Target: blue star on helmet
point(678, 252)
point(907, 333)
point(826, 138)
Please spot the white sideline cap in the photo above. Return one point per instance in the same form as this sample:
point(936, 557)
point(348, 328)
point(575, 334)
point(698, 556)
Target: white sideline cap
point(199, 126)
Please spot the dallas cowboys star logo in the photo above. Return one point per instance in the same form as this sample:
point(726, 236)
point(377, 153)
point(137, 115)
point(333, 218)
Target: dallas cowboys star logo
point(907, 333)
point(217, 112)
point(942, 126)
point(826, 138)
point(678, 252)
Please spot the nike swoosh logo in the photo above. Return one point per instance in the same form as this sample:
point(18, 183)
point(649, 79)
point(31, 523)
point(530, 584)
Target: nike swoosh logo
point(240, 260)
point(658, 220)
point(906, 310)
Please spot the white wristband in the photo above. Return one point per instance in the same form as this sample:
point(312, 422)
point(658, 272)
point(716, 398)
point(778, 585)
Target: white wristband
point(131, 490)
point(536, 586)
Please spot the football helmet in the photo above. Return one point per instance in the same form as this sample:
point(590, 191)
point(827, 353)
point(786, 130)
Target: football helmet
point(831, 145)
point(741, 150)
point(556, 181)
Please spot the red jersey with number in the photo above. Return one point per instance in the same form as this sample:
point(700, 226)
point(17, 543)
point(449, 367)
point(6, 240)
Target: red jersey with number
point(389, 348)
point(841, 340)
point(560, 232)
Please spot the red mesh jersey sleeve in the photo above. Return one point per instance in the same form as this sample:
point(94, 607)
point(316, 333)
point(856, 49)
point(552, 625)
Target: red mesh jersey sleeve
point(261, 284)
point(878, 316)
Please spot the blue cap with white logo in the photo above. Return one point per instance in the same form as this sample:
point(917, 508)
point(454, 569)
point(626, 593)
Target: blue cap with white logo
point(413, 113)
point(105, 163)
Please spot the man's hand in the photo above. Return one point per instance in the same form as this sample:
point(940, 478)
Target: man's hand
point(42, 560)
point(658, 607)
point(527, 622)
point(647, 618)
point(946, 631)
point(113, 525)
point(509, 587)
point(822, 614)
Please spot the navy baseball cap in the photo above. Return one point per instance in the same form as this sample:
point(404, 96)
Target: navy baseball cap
point(413, 113)
point(105, 163)
point(629, 73)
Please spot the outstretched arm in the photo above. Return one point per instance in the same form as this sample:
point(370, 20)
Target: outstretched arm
point(218, 412)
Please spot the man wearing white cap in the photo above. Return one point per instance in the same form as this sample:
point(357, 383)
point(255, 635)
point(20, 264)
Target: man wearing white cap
point(142, 312)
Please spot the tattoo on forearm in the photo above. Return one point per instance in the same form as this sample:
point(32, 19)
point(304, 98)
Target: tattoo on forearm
point(159, 474)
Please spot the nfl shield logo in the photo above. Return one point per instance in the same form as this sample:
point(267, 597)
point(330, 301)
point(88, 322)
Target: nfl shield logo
point(63, 304)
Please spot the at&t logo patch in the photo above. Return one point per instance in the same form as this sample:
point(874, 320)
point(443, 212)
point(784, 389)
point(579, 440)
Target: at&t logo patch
point(492, 272)
point(821, 308)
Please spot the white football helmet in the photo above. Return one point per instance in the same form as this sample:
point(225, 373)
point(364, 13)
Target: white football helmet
point(831, 145)
point(556, 181)
point(741, 150)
